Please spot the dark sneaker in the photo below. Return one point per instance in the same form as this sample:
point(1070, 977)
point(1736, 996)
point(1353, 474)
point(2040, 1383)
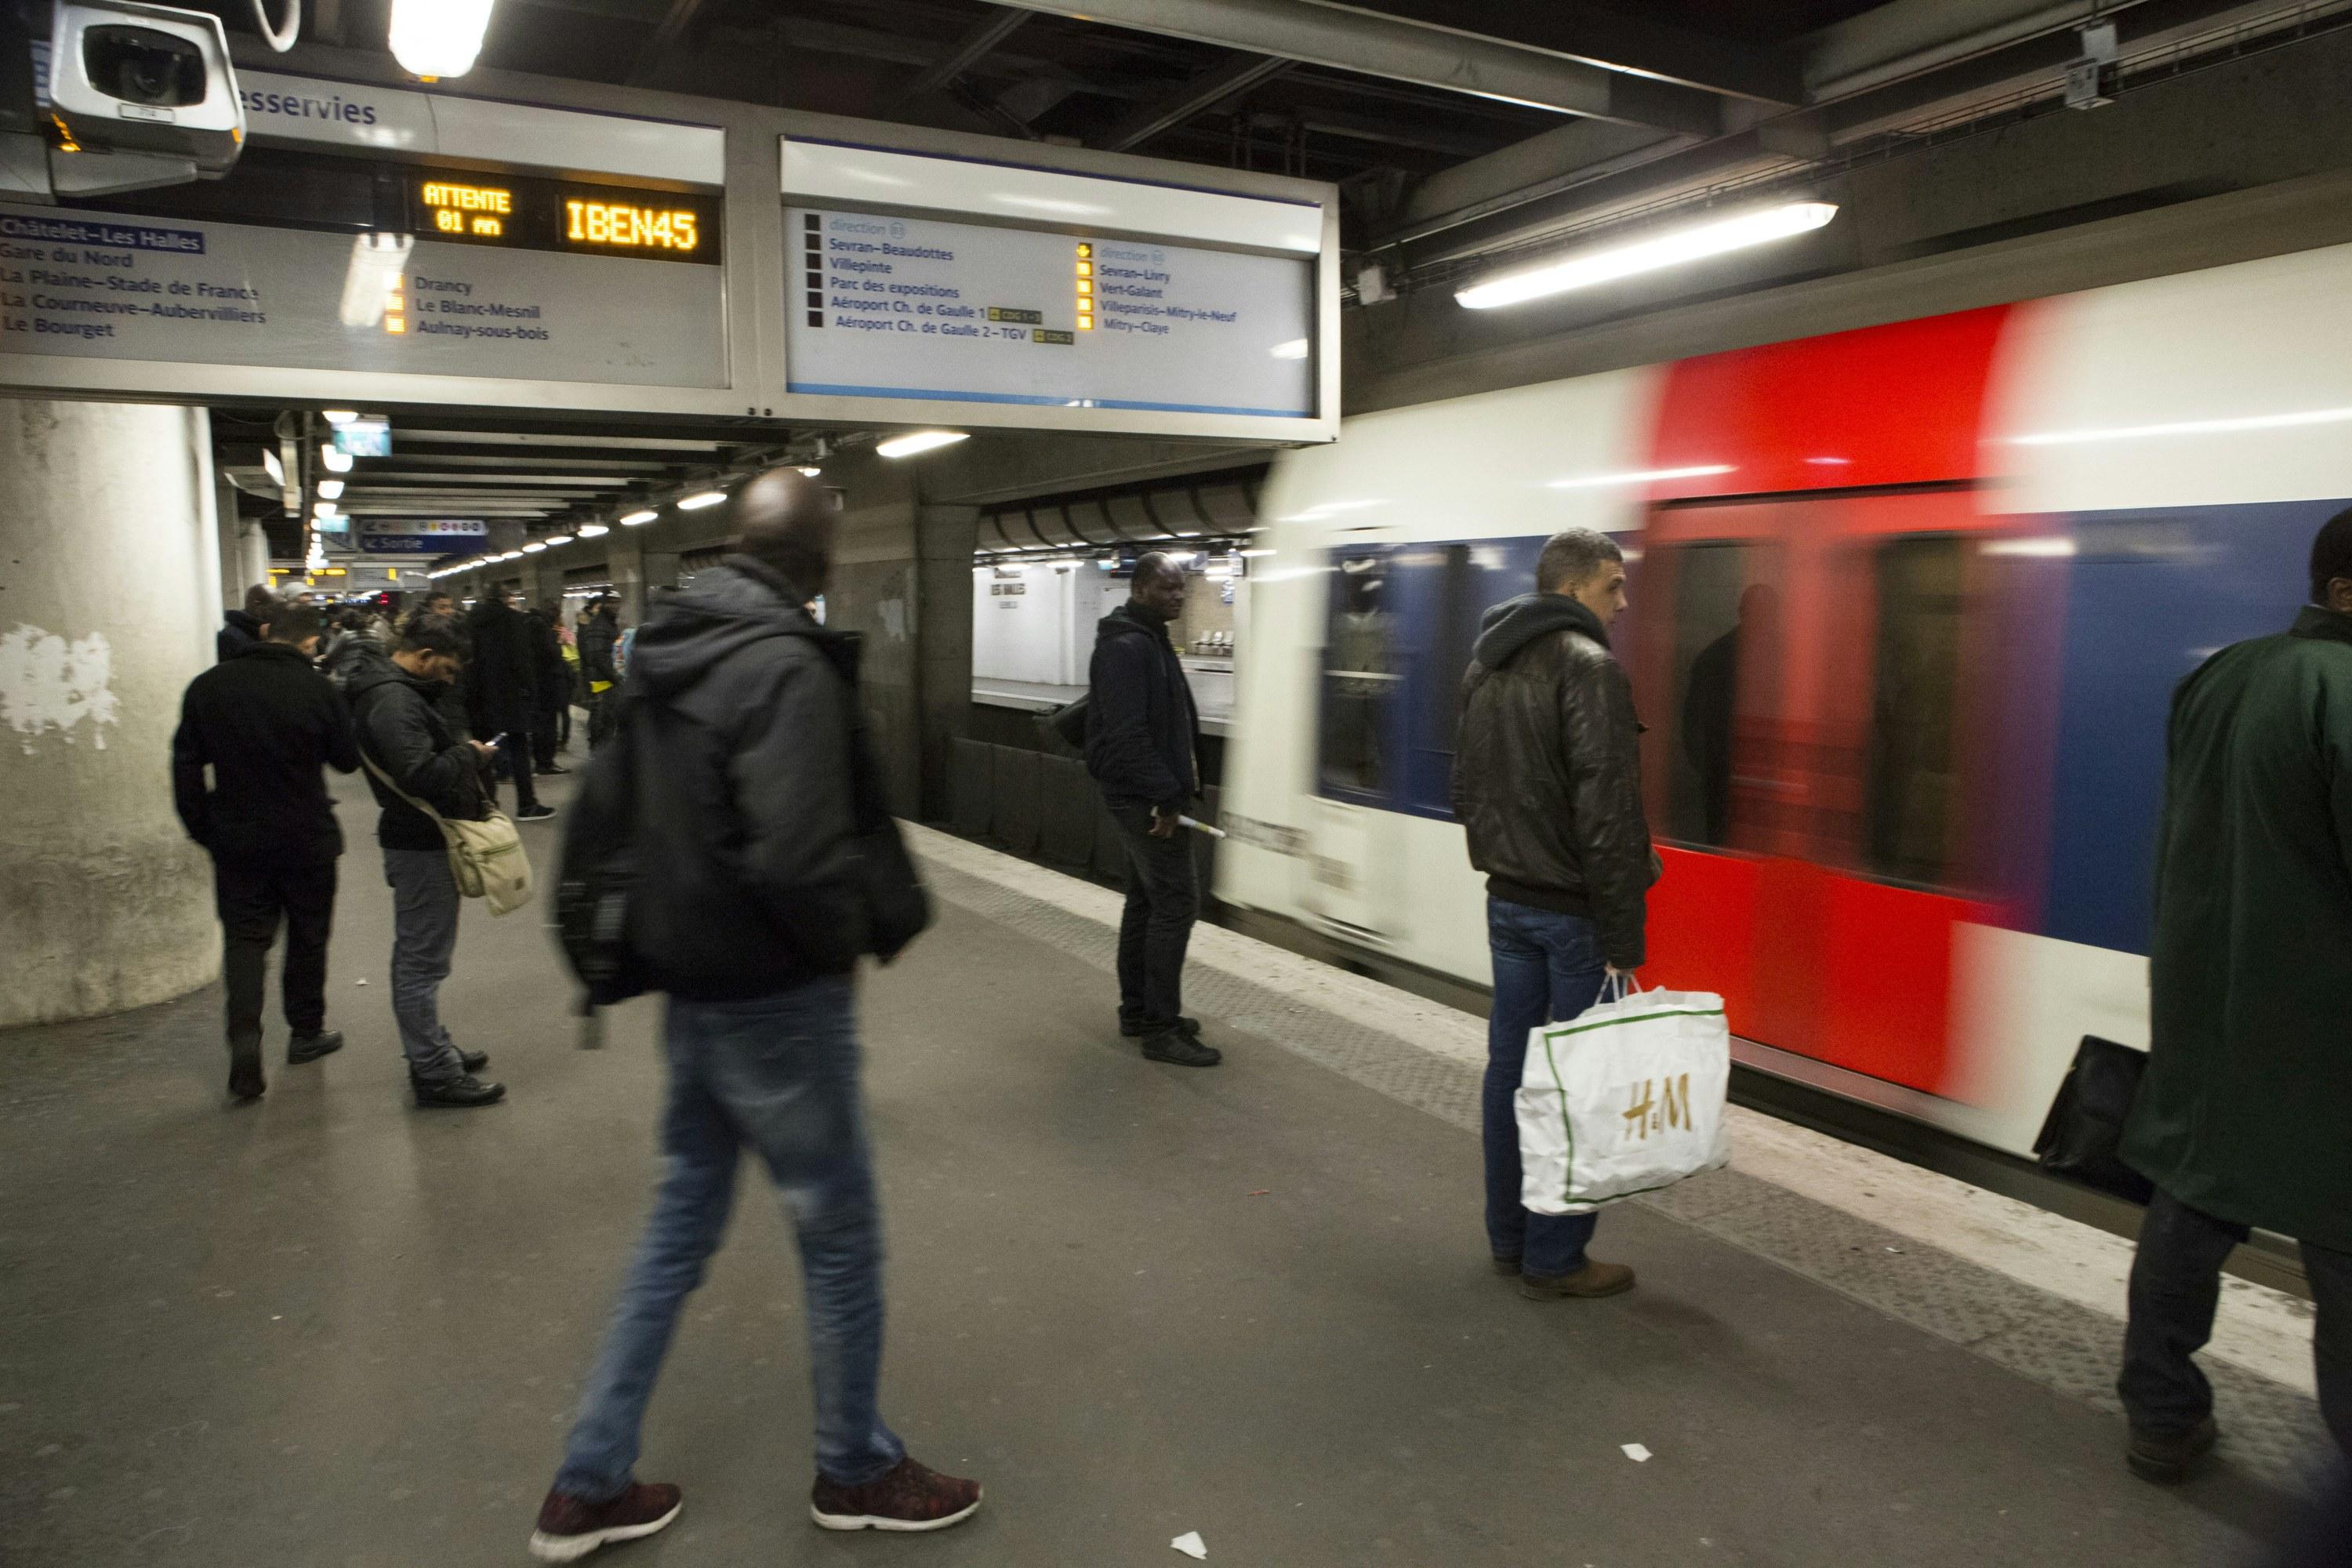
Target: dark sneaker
point(460, 1093)
point(1508, 1268)
point(2166, 1457)
point(474, 1060)
point(1176, 1045)
point(551, 768)
point(909, 1498)
point(310, 1048)
point(538, 813)
point(570, 1527)
point(1135, 1030)
point(245, 1081)
point(1593, 1279)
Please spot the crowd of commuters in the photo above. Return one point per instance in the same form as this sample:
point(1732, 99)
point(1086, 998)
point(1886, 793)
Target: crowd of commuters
point(732, 761)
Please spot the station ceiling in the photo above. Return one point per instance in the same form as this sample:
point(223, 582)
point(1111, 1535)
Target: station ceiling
point(1459, 132)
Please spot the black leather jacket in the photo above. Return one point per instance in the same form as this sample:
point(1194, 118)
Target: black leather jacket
point(1547, 772)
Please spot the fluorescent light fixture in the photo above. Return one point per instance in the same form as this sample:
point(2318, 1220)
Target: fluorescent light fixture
point(339, 415)
point(324, 509)
point(555, 539)
point(331, 490)
point(509, 555)
point(273, 467)
point(2187, 427)
point(810, 470)
point(1295, 349)
point(1638, 477)
point(337, 462)
point(434, 38)
point(594, 531)
point(534, 548)
point(640, 518)
point(1607, 263)
point(701, 498)
point(907, 446)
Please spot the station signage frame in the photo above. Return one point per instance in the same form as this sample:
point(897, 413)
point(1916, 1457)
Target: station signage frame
point(507, 131)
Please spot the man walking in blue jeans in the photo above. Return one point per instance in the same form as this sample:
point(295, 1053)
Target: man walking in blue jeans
point(1548, 786)
point(767, 863)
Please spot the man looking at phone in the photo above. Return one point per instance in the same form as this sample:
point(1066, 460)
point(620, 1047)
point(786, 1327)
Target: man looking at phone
point(411, 754)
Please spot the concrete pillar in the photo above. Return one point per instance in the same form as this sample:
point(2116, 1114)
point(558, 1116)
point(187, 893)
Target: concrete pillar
point(542, 579)
point(945, 537)
point(244, 547)
point(109, 578)
point(639, 566)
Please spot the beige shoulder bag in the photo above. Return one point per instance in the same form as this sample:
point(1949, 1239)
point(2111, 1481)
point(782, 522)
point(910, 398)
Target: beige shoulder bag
point(485, 858)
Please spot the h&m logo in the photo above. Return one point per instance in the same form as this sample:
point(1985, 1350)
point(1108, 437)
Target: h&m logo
point(1650, 1110)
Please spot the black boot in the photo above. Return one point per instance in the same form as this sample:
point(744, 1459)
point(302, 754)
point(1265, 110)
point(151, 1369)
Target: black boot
point(458, 1093)
point(2168, 1457)
point(309, 1048)
point(245, 1081)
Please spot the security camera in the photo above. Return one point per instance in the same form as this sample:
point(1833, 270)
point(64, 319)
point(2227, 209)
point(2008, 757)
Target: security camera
point(126, 78)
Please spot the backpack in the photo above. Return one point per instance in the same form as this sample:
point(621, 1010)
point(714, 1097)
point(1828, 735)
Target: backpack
point(598, 871)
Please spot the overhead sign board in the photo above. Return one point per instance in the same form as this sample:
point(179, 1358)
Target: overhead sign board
point(100, 285)
point(910, 308)
point(419, 536)
point(923, 286)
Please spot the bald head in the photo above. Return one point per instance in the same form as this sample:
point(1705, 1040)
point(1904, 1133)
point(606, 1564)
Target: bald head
point(785, 519)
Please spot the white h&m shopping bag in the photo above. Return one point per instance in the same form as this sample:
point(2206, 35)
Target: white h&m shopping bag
point(1625, 1098)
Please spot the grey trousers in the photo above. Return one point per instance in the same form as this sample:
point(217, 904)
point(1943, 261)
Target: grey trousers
point(424, 934)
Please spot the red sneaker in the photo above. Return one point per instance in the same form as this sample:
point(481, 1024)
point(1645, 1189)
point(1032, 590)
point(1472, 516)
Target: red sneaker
point(908, 1498)
point(570, 1527)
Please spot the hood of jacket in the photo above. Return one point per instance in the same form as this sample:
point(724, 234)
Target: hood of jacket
point(244, 623)
point(737, 602)
point(1124, 621)
point(1515, 622)
point(370, 667)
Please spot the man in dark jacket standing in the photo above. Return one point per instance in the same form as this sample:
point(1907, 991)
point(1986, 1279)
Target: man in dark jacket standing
point(502, 690)
point(551, 687)
point(600, 630)
point(767, 863)
point(1547, 787)
point(2244, 1116)
point(1143, 750)
point(240, 629)
point(266, 721)
point(412, 755)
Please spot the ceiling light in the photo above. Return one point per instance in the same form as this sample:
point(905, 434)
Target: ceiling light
point(324, 509)
point(594, 531)
point(639, 518)
point(1606, 264)
point(337, 462)
point(555, 539)
point(920, 441)
point(534, 548)
point(810, 470)
point(697, 501)
point(331, 490)
point(434, 38)
point(340, 416)
point(509, 555)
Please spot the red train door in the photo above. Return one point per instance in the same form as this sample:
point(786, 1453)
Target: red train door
point(1811, 668)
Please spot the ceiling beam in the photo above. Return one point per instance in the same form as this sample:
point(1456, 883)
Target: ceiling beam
point(1613, 40)
point(1405, 52)
point(1563, 157)
point(1906, 38)
point(1198, 95)
point(969, 51)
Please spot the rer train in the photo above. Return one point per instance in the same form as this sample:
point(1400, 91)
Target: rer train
point(1908, 606)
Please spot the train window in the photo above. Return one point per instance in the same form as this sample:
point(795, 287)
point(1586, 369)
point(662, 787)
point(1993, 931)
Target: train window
point(1361, 673)
point(1911, 798)
point(1720, 604)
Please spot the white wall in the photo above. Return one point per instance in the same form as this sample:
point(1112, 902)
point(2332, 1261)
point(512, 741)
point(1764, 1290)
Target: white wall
point(1043, 634)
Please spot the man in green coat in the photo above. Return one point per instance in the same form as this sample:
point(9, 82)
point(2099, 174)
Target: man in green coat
point(2245, 1115)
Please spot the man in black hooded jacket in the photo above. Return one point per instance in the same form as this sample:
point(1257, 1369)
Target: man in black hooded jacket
point(242, 629)
point(1143, 750)
point(766, 863)
point(1547, 788)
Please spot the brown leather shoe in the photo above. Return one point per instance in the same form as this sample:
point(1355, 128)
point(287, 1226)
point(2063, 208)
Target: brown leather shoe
point(571, 1527)
point(909, 1498)
point(1593, 1279)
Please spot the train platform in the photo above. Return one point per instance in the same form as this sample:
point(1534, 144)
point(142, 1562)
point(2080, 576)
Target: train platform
point(1137, 1302)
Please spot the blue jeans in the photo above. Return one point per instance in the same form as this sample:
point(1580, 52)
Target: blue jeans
point(1548, 969)
point(777, 1075)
